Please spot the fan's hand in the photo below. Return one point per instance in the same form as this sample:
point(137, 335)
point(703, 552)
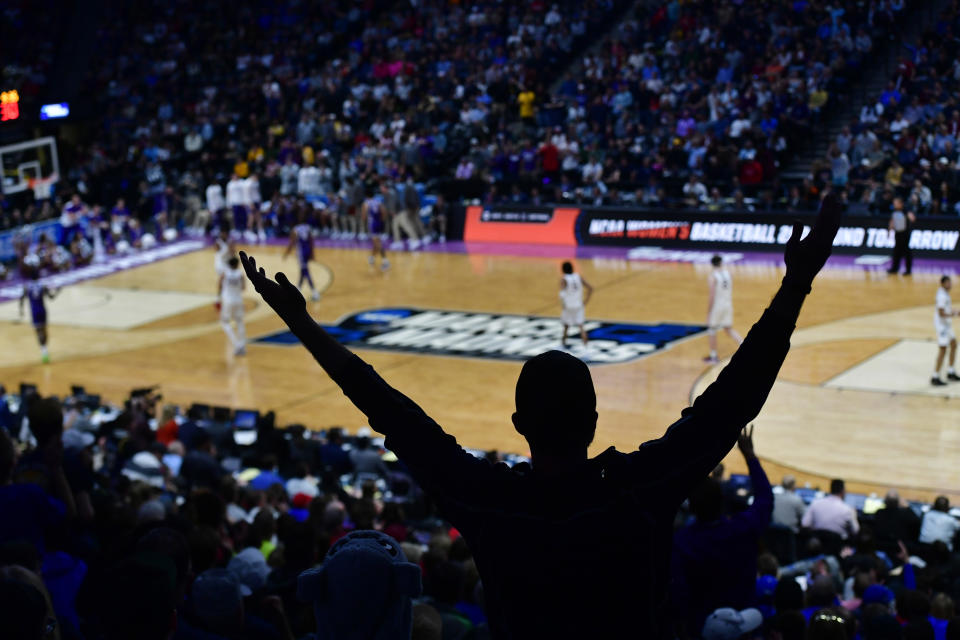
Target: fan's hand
point(745, 442)
point(804, 258)
point(281, 295)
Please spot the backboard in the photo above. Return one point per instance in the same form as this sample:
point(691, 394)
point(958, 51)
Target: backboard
point(25, 163)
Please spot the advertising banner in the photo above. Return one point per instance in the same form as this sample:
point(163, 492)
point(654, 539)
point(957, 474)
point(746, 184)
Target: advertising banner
point(534, 225)
point(932, 237)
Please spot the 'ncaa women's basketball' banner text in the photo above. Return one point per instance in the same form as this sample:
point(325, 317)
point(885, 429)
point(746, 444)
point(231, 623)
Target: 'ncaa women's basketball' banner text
point(692, 230)
point(753, 231)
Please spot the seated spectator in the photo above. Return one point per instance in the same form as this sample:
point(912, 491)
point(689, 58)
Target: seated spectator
point(367, 460)
point(831, 513)
point(200, 468)
point(788, 507)
point(938, 525)
point(895, 522)
point(363, 589)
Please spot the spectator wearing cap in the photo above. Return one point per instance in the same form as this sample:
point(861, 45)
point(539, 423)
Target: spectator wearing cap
point(730, 624)
point(831, 513)
point(938, 525)
point(250, 568)
point(363, 590)
point(788, 507)
point(714, 559)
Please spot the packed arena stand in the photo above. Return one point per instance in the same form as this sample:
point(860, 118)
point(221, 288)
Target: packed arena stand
point(905, 141)
point(206, 512)
point(688, 105)
point(387, 94)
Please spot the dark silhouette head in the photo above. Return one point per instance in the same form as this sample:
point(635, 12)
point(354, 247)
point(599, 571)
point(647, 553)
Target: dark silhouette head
point(567, 267)
point(706, 501)
point(942, 503)
point(234, 262)
point(556, 403)
point(716, 260)
point(837, 487)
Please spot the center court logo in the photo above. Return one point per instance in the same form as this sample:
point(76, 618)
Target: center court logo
point(496, 336)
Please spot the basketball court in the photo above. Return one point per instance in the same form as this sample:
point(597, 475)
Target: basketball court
point(451, 329)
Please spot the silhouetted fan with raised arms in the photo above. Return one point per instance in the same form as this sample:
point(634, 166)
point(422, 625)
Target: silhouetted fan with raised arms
point(572, 546)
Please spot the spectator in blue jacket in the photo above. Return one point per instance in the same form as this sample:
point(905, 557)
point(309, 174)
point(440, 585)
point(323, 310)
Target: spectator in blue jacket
point(715, 558)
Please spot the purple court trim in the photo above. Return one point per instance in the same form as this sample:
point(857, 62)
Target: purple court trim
point(13, 288)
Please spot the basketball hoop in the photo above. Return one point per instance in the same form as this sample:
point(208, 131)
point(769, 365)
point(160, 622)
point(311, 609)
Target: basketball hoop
point(41, 187)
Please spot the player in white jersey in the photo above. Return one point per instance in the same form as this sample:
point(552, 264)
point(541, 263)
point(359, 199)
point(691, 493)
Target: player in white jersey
point(720, 307)
point(225, 248)
point(253, 201)
point(572, 287)
point(943, 324)
point(237, 203)
point(232, 283)
point(216, 204)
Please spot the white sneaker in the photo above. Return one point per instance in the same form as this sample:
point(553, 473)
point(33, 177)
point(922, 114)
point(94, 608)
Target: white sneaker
point(414, 245)
point(371, 260)
point(384, 265)
point(362, 236)
point(240, 351)
point(315, 296)
point(443, 239)
point(396, 246)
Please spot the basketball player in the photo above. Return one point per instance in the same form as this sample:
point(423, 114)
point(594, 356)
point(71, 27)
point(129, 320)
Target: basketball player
point(374, 214)
point(237, 203)
point(943, 325)
point(301, 237)
point(37, 293)
point(571, 295)
point(720, 307)
point(231, 300)
point(225, 248)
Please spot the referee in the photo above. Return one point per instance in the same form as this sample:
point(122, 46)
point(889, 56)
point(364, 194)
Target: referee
point(901, 222)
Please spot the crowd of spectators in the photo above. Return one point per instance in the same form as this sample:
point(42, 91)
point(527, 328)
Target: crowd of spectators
point(30, 32)
point(195, 93)
point(714, 95)
point(139, 521)
point(904, 142)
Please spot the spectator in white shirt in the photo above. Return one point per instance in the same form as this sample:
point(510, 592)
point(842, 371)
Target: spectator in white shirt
point(694, 191)
point(308, 181)
point(938, 525)
point(831, 513)
point(592, 171)
point(788, 507)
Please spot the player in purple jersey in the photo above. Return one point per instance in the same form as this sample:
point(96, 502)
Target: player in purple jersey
point(37, 293)
point(301, 239)
point(373, 212)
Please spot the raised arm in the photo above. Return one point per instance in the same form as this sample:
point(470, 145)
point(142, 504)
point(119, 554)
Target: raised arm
point(437, 462)
point(707, 431)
